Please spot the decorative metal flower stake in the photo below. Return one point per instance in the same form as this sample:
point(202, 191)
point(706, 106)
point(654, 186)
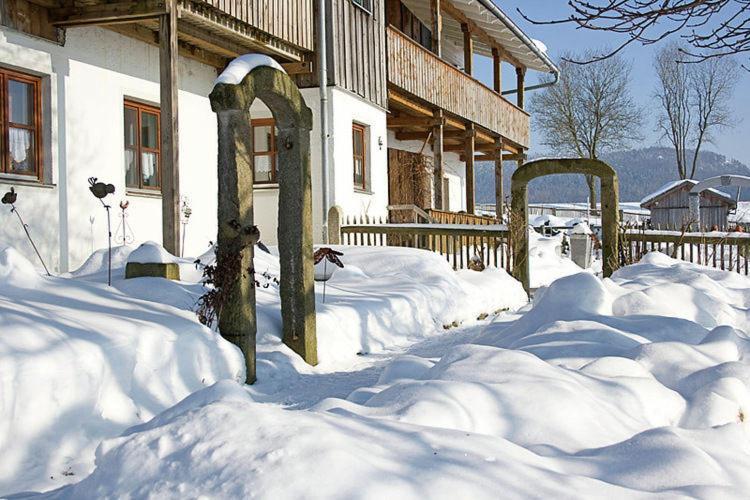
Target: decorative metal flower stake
point(326, 255)
point(101, 191)
point(124, 233)
point(10, 198)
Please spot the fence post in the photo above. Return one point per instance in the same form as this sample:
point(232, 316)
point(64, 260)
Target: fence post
point(335, 216)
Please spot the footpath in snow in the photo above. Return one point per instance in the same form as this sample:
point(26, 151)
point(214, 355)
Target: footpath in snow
point(630, 387)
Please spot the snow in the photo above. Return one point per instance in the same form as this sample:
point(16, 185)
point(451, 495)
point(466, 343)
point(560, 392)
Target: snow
point(151, 253)
point(581, 228)
point(241, 66)
point(629, 387)
point(81, 362)
point(546, 262)
point(540, 45)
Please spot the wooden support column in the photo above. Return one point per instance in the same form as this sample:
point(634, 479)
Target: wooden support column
point(520, 84)
point(499, 197)
point(469, 150)
point(497, 71)
point(437, 27)
point(468, 49)
point(437, 156)
point(170, 175)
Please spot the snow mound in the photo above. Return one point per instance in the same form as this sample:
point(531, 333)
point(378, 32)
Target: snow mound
point(241, 66)
point(15, 269)
point(151, 253)
point(80, 362)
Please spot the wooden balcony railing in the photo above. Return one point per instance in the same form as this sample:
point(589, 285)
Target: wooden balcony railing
point(290, 23)
point(419, 72)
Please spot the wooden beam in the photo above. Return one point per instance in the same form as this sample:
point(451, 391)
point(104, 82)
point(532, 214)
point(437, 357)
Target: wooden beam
point(298, 68)
point(469, 152)
point(468, 49)
point(477, 147)
point(412, 136)
point(410, 121)
point(436, 14)
point(520, 83)
point(187, 50)
point(459, 16)
point(497, 71)
point(499, 197)
point(170, 172)
point(107, 13)
point(415, 107)
point(437, 157)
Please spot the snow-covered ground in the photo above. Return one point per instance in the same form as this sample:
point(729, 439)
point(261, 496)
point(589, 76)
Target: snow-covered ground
point(635, 386)
point(80, 361)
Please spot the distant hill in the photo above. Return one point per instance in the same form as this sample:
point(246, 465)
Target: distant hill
point(641, 172)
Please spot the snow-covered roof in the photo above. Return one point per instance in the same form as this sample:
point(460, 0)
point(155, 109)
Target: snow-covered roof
point(666, 188)
point(486, 15)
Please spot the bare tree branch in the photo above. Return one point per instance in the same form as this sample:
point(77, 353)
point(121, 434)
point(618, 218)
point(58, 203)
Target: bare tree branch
point(710, 28)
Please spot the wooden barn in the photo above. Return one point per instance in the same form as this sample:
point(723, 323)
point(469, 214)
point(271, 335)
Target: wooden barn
point(670, 210)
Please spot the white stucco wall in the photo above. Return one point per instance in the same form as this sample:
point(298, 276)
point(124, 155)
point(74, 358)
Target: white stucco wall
point(344, 109)
point(453, 169)
point(86, 82)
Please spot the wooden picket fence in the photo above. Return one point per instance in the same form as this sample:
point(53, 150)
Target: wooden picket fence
point(726, 251)
point(458, 243)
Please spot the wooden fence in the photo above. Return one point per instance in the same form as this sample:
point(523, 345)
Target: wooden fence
point(444, 217)
point(458, 243)
point(726, 251)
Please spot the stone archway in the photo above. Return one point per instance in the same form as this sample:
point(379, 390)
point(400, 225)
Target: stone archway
point(694, 196)
point(237, 233)
point(520, 209)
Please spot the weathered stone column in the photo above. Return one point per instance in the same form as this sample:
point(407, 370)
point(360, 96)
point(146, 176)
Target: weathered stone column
point(335, 215)
point(237, 321)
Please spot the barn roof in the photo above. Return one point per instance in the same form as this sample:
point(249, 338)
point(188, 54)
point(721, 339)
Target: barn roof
point(670, 187)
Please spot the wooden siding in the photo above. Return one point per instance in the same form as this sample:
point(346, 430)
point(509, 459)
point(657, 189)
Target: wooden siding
point(671, 210)
point(28, 17)
point(289, 20)
point(419, 72)
point(356, 51)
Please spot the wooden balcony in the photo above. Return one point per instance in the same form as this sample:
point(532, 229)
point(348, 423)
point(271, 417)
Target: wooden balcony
point(420, 73)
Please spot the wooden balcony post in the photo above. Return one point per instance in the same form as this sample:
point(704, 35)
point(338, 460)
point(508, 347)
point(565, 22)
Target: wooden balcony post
point(170, 175)
point(469, 149)
point(520, 83)
point(437, 27)
point(499, 178)
point(497, 70)
point(437, 155)
point(468, 49)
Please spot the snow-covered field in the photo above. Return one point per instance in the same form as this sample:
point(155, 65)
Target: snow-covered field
point(635, 386)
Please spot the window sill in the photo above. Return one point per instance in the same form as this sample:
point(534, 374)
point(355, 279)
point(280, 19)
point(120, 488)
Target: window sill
point(143, 193)
point(25, 181)
point(268, 186)
point(363, 191)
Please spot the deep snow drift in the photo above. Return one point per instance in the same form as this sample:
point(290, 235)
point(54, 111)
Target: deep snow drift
point(630, 387)
point(81, 362)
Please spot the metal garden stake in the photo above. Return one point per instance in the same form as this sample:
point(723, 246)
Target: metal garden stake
point(100, 191)
point(10, 199)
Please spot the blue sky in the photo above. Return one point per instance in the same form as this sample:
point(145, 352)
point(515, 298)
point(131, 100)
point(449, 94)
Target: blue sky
point(734, 143)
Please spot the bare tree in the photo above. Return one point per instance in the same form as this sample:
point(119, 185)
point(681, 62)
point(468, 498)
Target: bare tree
point(712, 28)
point(589, 112)
point(693, 102)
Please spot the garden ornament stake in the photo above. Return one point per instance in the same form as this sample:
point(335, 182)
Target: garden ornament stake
point(10, 199)
point(186, 213)
point(124, 232)
point(326, 255)
point(100, 191)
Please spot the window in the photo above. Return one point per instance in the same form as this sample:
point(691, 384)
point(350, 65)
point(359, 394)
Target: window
point(20, 123)
point(142, 147)
point(265, 170)
point(359, 154)
point(365, 5)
